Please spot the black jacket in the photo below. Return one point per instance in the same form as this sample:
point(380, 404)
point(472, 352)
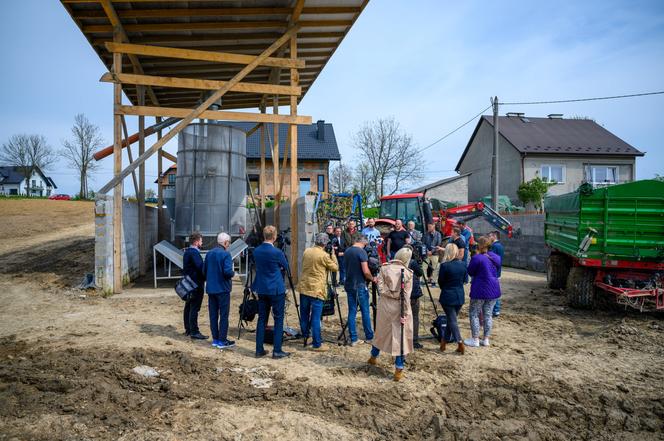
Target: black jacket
point(192, 266)
point(450, 280)
point(416, 268)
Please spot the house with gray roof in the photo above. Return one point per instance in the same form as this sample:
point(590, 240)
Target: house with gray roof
point(13, 182)
point(565, 151)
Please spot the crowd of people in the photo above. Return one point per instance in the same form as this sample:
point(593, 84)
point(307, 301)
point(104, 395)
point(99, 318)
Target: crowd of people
point(339, 257)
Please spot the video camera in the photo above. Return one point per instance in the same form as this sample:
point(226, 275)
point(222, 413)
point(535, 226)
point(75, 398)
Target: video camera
point(374, 259)
point(282, 240)
point(419, 251)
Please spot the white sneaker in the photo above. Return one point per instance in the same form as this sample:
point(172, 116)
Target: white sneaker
point(472, 342)
point(369, 342)
point(485, 342)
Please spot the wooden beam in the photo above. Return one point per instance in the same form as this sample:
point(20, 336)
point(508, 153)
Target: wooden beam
point(119, 34)
point(160, 171)
point(117, 169)
point(168, 156)
point(189, 83)
point(129, 153)
point(202, 26)
point(253, 129)
point(193, 54)
point(203, 40)
point(275, 163)
point(294, 178)
point(218, 115)
point(200, 110)
point(261, 183)
point(140, 196)
point(213, 12)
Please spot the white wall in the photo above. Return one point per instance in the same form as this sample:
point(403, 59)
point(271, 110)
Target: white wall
point(454, 191)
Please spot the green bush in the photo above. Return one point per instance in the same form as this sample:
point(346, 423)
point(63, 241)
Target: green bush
point(371, 212)
point(534, 191)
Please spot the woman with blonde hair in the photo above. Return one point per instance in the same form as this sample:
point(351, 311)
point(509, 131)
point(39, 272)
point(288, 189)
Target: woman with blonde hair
point(451, 275)
point(390, 337)
point(484, 291)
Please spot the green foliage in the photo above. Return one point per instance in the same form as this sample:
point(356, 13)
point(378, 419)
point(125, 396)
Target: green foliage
point(370, 212)
point(21, 196)
point(534, 191)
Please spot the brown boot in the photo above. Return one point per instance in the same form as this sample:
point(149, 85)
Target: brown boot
point(461, 349)
point(373, 361)
point(398, 374)
point(443, 343)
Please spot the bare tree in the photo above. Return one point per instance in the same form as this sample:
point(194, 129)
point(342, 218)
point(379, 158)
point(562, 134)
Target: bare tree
point(79, 150)
point(27, 152)
point(341, 178)
point(363, 183)
point(390, 155)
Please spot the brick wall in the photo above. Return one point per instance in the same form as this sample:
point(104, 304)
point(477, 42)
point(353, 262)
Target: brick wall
point(104, 240)
point(528, 250)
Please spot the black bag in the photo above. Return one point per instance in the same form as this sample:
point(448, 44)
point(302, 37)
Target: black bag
point(328, 303)
point(185, 287)
point(438, 327)
point(249, 308)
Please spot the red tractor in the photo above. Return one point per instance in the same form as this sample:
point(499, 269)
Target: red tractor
point(422, 210)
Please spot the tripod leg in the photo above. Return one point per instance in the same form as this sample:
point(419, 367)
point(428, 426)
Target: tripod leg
point(341, 321)
point(435, 310)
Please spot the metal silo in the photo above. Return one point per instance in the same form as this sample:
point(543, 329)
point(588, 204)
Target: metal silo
point(210, 187)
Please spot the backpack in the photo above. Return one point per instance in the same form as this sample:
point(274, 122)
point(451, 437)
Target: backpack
point(328, 303)
point(249, 308)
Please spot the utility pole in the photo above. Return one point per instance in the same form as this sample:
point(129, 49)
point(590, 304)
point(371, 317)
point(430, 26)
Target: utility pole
point(494, 162)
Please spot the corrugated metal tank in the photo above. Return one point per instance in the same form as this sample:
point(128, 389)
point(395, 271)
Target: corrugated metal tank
point(210, 187)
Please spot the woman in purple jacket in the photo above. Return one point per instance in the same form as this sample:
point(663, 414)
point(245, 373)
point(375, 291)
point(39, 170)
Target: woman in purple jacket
point(484, 291)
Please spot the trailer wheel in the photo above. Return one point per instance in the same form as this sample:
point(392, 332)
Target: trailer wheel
point(557, 270)
point(581, 288)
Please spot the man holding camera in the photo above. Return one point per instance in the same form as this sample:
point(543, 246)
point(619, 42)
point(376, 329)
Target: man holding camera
point(269, 285)
point(357, 275)
point(316, 262)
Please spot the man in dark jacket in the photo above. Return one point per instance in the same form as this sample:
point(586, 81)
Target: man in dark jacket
point(433, 241)
point(269, 285)
point(415, 295)
point(218, 273)
point(192, 266)
point(497, 247)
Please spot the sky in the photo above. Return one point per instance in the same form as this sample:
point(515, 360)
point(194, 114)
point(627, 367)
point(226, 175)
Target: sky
point(431, 65)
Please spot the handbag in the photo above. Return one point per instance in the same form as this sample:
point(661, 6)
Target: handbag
point(249, 308)
point(185, 287)
point(328, 303)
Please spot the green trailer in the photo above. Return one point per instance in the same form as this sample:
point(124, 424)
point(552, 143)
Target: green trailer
point(607, 244)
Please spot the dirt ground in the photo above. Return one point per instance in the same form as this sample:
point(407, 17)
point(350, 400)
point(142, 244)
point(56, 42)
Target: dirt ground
point(66, 361)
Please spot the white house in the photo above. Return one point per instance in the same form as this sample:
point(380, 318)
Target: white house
point(13, 182)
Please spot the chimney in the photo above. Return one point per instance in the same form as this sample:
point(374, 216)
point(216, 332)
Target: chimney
point(555, 116)
point(321, 130)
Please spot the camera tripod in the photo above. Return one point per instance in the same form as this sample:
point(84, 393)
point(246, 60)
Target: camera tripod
point(247, 292)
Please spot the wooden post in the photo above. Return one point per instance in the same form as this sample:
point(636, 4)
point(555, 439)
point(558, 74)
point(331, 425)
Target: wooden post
point(141, 186)
point(494, 160)
point(261, 181)
point(117, 169)
point(160, 170)
point(294, 180)
point(275, 161)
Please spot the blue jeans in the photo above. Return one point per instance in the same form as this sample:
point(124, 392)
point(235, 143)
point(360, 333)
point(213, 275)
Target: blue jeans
point(497, 308)
point(362, 295)
point(452, 333)
point(398, 360)
point(311, 310)
point(342, 270)
point(277, 304)
point(218, 306)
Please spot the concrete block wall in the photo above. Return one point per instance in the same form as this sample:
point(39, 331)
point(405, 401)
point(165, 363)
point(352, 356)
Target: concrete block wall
point(528, 251)
point(130, 240)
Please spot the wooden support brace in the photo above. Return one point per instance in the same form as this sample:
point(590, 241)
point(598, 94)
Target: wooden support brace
point(168, 156)
point(220, 115)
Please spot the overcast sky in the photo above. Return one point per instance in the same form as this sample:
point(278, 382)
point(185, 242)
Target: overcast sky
point(430, 64)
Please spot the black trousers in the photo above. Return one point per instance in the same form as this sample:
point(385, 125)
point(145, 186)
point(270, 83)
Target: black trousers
point(191, 309)
point(415, 307)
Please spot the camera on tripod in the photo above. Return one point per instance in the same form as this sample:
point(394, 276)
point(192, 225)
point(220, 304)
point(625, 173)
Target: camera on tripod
point(374, 259)
point(419, 251)
point(282, 240)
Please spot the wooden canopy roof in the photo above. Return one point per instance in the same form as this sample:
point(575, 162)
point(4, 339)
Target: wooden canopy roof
point(231, 27)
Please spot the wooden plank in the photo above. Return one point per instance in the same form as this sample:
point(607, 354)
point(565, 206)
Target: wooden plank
point(117, 169)
point(202, 26)
point(238, 39)
point(168, 156)
point(193, 54)
point(191, 83)
point(214, 12)
point(275, 163)
point(140, 196)
point(200, 110)
point(261, 182)
point(294, 178)
point(160, 171)
point(253, 129)
point(129, 154)
point(218, 115)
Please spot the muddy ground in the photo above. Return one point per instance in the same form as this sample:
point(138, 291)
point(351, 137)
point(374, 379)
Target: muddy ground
point(66, 360)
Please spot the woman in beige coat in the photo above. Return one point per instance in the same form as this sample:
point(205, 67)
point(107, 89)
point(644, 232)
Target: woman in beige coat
point(388, 337)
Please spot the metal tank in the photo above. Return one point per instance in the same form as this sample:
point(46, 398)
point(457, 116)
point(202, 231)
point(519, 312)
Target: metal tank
point(210, 186)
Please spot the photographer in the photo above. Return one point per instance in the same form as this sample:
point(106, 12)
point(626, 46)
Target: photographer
point(432, 240)
point(357, 274)
point(316, 262)
point(416, 267)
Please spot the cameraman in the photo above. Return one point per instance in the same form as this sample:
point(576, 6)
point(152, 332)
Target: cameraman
point(357, 274)
point(432, 240)
point(416, 267)
point(316, 262)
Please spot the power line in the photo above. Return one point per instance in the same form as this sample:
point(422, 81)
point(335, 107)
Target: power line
point(584, 99)
point(455, 130)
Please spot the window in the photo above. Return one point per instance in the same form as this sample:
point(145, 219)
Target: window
point(553, 173)
point(171, 179)
point(321, 182)
point(34, 182)
point(305, 186)
point(604, 174)
point(254, 184)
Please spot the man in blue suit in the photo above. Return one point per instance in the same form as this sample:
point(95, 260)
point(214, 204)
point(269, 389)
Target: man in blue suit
point(497, 248)
point(269, 285)
point(218, 273)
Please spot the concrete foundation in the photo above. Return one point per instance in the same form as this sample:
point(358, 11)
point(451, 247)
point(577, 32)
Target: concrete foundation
point(104, 240)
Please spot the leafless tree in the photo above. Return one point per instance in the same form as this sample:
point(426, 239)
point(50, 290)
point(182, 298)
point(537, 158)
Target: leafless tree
point(363, 183)
point(341, 178)
point(78, 151)
point(389, 153)
point(27, 152)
